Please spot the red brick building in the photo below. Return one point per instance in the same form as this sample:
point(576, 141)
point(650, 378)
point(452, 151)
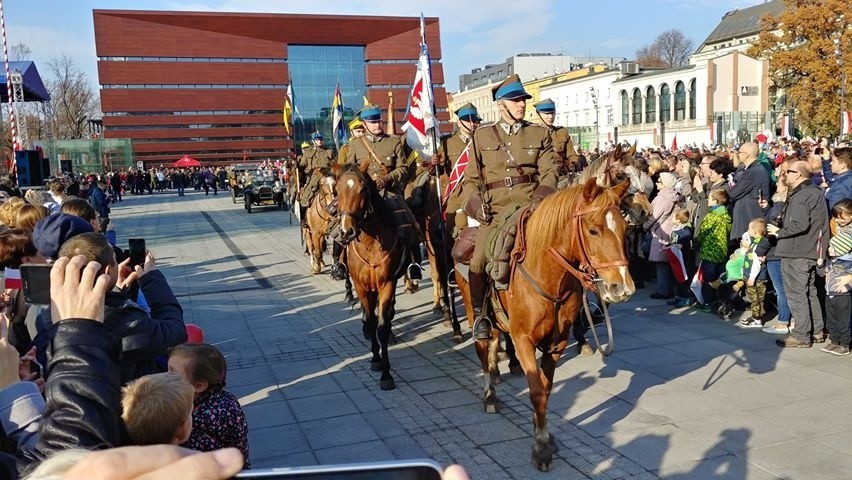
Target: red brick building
point(212, 84)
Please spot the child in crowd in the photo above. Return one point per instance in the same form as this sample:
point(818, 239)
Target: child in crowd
point(682, 238)
point(157, 409)
point(712, 241)
point(754, 272)
point(217, 419)
point(838, 299)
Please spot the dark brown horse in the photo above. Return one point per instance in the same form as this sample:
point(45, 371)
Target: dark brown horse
point(576, 236)
point(374, 256)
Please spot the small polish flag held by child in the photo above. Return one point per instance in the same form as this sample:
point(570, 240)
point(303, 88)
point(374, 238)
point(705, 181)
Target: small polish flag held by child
point(12, 279)
point(675, 258)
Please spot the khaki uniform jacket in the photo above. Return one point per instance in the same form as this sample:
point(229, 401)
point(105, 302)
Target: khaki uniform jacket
point(563, 146)
point(314, 158)
point(391, 159)
point(344, 150)
point(532, 150)
point(449, 150)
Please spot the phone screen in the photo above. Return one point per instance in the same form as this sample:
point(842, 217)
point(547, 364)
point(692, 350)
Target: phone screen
point(137, 251)
point(35, 280)
point(396, 470)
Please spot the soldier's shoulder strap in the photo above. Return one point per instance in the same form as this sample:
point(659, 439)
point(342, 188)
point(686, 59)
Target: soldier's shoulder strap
point(373, 156)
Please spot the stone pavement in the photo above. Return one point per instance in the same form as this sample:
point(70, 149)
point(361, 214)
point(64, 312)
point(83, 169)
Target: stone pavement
point(685, 396)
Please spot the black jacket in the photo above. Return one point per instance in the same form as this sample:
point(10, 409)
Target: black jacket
point(744, 194)
point(805, 219)
point(143, 337)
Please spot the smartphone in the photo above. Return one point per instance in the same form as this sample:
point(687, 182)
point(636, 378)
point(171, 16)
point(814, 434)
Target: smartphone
point(392, 470)
point(137, 251)
point(35, 280)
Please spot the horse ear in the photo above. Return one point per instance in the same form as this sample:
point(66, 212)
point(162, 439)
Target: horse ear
point(617, 152)
point(621, 188)
point(591, 189)
point(632, 151)
point(336, 168)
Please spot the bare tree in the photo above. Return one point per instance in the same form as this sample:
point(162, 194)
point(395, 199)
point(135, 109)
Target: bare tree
point(674, 47)
point(20, 52)
point(670, 49)
point(72, 101)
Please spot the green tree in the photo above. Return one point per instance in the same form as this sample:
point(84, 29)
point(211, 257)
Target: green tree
point(809, 49)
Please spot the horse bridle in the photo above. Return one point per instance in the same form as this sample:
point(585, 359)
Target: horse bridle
point(359, 219)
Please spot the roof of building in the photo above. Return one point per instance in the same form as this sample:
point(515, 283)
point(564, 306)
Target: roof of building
point(34, 90)
point(744, 22)
point(653, 72)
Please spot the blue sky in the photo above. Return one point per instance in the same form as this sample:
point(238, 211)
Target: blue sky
point(471, 35)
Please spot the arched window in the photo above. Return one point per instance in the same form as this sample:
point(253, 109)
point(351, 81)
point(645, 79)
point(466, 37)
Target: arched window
point(650, 105)
point(625, 109)
point(637, 107)
point(692, 96)
point(680, 101)
point(665, 103)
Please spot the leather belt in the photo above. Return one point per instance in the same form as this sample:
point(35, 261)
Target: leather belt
point(509, 182)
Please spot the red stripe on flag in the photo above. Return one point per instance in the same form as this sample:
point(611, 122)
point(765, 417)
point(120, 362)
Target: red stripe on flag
point(457, 173)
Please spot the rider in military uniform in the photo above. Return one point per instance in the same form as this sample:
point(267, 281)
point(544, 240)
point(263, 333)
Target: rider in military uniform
point(313, 162)
point(450, 149)
point(512, 163)
point(563, 146)
point(390, 167)
point(356, 130)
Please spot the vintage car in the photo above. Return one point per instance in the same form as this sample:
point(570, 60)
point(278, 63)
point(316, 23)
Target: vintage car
point(263, 190)
point(238, 175)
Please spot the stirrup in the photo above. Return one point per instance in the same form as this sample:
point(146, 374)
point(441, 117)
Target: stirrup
point(482, 328)
point(414, 272)
point(338, 271)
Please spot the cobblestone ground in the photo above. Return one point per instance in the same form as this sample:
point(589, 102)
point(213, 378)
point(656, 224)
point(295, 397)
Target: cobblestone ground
point(686, 395)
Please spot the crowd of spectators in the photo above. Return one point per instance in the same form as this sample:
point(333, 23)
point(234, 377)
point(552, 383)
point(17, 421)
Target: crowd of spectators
point(106, 363)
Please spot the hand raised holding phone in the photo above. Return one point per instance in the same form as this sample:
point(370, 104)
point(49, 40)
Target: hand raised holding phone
point(77, 289)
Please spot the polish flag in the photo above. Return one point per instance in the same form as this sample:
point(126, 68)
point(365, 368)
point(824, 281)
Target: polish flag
point(674, 143)
point(846, 129)
point(457, 174)
point(12, 279)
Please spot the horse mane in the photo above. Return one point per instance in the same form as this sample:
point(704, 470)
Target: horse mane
point(376, 200)
point(552, 220)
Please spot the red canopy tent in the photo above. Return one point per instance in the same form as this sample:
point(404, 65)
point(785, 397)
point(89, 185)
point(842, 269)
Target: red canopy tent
point(187, 161)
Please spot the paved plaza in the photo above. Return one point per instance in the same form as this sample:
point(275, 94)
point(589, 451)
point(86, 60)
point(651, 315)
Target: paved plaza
point(685, 396)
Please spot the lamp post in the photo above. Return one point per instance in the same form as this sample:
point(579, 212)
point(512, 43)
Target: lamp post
point(594, 96)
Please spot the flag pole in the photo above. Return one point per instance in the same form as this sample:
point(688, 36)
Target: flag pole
point(449, 293)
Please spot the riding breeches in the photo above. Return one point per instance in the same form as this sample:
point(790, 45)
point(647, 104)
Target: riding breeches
point(480, 250)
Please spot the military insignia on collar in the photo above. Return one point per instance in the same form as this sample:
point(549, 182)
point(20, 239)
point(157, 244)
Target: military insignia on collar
point(531, 152)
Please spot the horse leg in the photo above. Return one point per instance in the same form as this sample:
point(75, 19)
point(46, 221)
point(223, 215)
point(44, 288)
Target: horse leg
point(385, 318)
point(316, 253)
point(370, 329)
point(347, 280)
point(542, 452)
point(548, 367)
point(514, 364)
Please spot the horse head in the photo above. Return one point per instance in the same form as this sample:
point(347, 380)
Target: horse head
point(354, 200)
point(600, 234)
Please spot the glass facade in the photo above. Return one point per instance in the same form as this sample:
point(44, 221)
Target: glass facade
point(314, 72)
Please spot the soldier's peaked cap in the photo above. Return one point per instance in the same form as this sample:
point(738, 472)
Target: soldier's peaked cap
point(547, 106)
point(356, 123)
point(510, 89)
point(316, 135)
point(371, 113)
point(468, 112)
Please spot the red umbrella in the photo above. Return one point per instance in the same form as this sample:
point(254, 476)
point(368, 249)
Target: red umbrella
point(187, 161)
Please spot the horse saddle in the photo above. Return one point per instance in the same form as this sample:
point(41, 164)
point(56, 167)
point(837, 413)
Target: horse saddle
point(506, 245)
point(403, 219)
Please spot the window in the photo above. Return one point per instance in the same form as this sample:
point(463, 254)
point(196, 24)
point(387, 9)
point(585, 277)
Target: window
point(637, 107)
point(680, 101)
point(625, 110)
point(650, 105)
point(665, 103)
point(692, 99)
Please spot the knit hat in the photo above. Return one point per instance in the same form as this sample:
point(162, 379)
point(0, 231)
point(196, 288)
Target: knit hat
point(667, 180)
point(55, 229)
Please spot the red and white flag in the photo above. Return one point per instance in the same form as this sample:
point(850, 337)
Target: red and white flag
point(420, 117)
point(457, 174)
point(846, 129)
point(12, 279)
point(786, 126)
point(674, 143)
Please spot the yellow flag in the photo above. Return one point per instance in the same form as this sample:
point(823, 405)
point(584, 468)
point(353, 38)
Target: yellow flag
point(366, 102)
point(286, 114)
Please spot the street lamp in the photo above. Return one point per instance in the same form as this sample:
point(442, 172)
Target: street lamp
point(594, 96)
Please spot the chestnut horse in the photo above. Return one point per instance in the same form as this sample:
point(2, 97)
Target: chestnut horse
point(374, 258)
point(318, 219)
point(574, 241)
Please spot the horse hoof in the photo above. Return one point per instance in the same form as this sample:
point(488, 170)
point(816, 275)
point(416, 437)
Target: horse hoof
point(516, 370)
point(437, 311)
point(553, 444)
point(376, 367)
point(542, 457)
point(458, 338)
point(387, 384)
point(585, 350)
point(349, 298)
point(491, 407)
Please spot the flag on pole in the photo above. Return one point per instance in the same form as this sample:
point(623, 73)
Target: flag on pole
point(419, 116)
point(12, 279)
point(366, 102)
point(291, 96)
point(674, 143)
point(457, 173)
point(287, 112)
point(337, 126)
point(846, 129)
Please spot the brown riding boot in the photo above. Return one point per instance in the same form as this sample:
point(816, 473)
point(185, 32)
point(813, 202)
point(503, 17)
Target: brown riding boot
point(478, 284)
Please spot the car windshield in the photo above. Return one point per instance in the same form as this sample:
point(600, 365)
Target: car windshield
point(263, 180)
